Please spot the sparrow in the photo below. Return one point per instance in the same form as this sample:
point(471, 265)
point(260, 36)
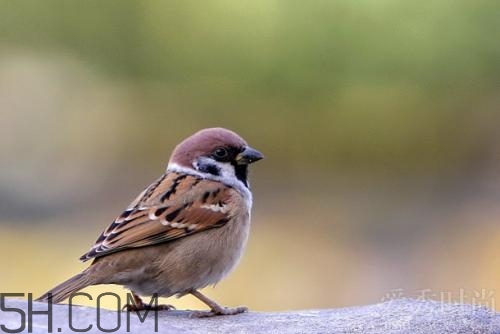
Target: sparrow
point(184, 232)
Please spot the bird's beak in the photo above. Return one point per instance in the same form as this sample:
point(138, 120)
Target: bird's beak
point(248, 156)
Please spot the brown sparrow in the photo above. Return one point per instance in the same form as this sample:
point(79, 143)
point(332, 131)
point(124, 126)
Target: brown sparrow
point(184, 232)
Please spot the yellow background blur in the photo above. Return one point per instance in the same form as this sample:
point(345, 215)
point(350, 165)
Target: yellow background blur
point(379, 121)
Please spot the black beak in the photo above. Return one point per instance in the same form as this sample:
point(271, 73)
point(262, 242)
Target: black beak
point(248, 156)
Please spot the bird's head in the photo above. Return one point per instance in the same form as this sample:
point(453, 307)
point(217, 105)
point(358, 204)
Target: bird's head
point(216, 153)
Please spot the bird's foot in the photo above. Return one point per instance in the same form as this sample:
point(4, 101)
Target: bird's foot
point(218, 311)
point(215, 309)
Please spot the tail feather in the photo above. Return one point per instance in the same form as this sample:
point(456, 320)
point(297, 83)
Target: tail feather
point(66, 288)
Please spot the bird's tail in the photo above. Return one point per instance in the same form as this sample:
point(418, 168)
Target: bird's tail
point(67, 288)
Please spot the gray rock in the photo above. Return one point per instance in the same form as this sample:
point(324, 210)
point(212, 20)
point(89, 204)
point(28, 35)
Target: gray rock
point(395, 316)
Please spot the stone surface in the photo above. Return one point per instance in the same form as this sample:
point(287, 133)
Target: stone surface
point(395, 316)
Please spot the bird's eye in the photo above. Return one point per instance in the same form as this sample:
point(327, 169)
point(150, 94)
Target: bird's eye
point(220, 152)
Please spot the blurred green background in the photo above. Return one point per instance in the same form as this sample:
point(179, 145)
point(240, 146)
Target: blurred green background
point(379, 122)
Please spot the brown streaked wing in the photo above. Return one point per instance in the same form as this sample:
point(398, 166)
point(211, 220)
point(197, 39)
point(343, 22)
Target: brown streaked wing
point(175, 206)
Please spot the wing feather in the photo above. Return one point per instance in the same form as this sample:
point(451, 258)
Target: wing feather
point(173, 207)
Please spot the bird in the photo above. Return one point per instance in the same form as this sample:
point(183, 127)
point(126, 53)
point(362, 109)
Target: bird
point(185, 231)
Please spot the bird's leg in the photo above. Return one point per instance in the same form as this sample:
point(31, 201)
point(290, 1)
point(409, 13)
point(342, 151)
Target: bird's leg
point(139, 305)
point(215, 309)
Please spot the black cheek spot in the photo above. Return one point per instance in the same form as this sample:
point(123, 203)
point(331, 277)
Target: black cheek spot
point(209, 168)
point(214, 170)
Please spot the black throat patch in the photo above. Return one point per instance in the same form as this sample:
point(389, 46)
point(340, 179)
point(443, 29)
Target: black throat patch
point(241, 172)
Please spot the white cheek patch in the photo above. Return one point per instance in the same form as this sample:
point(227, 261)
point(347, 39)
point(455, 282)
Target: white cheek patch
point(226, 170)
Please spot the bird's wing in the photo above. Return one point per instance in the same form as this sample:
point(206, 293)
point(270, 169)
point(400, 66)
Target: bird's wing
point(175, 206)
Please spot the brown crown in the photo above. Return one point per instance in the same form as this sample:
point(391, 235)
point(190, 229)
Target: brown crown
point(204, 142)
